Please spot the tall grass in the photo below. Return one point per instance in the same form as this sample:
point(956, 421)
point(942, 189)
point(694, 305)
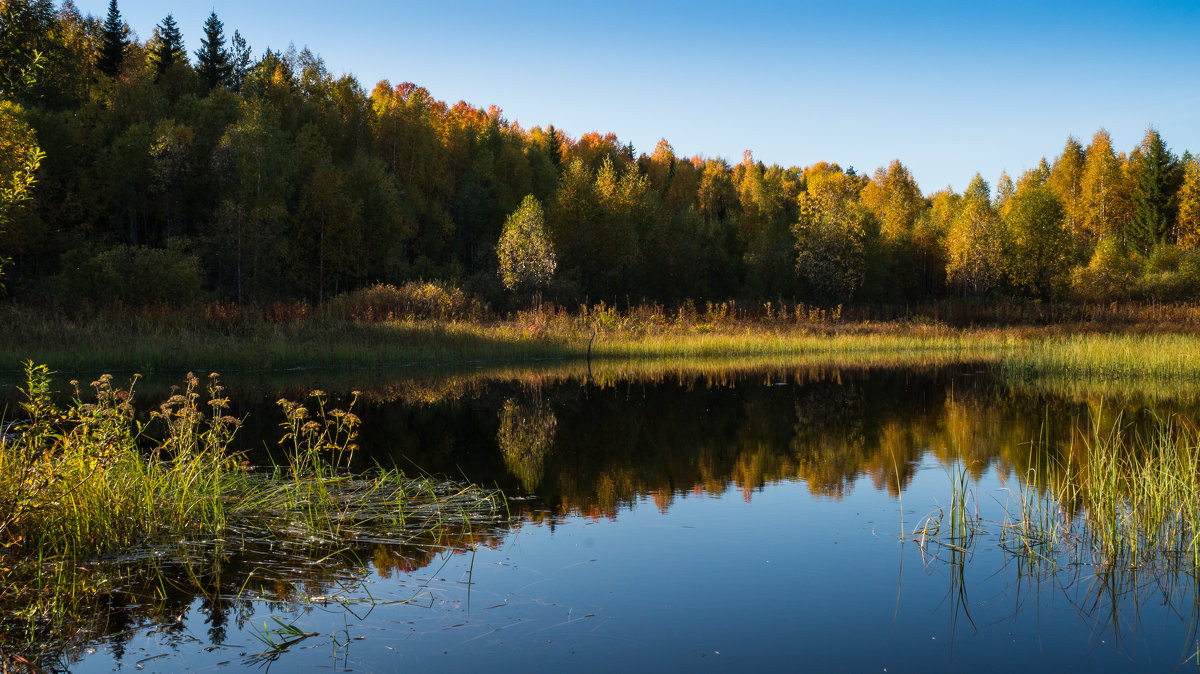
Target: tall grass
point(1124, 500)
point(88, 479)
point(433, 325)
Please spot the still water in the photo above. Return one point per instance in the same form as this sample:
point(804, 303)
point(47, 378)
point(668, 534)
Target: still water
point(670, 520)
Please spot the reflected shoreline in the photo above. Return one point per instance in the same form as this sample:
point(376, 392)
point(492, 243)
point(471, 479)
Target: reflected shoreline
point(567, 443)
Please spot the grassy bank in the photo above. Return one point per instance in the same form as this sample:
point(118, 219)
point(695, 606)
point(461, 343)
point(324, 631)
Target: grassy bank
point(216, 337)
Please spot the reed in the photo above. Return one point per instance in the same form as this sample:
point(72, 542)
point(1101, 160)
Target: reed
point(1126, 500)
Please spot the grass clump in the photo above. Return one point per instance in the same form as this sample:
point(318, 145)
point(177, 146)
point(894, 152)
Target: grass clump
point(1117, 499)
point(75, 480)
point(89, 479)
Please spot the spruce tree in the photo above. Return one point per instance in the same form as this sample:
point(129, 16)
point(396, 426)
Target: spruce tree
point(113, 42)
point(168, 46)
point(240, 61)
point(213, 59)
point(1153, 195)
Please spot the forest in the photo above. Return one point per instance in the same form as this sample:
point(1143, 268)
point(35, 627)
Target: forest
point(145, 173)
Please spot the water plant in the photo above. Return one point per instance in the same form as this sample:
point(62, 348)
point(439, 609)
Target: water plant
point(1113, 498)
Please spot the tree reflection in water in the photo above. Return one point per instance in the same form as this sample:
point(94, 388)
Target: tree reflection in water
point(564, 445)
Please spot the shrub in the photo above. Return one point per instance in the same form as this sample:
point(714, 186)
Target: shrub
point(1169, 275)
point(415, 299)
point(1107, 277)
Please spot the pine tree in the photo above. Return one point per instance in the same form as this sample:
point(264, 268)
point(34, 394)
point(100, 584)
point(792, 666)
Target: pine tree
point(213, 59)
point(168, 46)
point(113, 42)
point(1153, 196)
point(240, 61)
point(554, 146)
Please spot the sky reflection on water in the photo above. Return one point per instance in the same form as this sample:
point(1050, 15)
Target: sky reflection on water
point(687, 525)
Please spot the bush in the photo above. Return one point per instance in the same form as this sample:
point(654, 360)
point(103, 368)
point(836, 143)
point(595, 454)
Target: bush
point(1169, 275)
point(1108, 277)
point(415, 299)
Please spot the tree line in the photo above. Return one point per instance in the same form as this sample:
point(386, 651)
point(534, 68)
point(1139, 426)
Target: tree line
point(142, 172)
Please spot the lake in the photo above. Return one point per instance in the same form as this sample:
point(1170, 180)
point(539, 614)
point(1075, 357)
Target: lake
point(665, 518)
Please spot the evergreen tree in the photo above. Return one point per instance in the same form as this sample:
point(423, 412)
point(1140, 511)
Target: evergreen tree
point(213, 59)
point(240, 61)
point(113, 42)
point(554, 146)
point(168, 46)
point(1153, 196)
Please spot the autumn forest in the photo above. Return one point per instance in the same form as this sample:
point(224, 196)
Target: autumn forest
point(173, 171)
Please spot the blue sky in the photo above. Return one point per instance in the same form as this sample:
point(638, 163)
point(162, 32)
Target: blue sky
point(947, 88)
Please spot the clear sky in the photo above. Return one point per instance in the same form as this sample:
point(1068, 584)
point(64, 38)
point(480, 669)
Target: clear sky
point(948, 88)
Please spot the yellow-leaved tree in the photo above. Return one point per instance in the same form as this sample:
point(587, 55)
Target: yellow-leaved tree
point(831, 236)
point(894, 198)
point(1187, 222)
point(975, 243)
point(1106, 204)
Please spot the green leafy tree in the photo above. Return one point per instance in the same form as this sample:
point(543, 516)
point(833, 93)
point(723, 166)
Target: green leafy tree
point(1153, 194)
point(171, 152)
point(1040, 253)
point(113, 42)
point(213, 60)
point(250, 251)
point(25, 28)
point(326, 223)
point(765, 195)
point(166, 48)
point(526, 257)
point(20, 157)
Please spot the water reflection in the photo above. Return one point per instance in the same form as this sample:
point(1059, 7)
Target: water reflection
point(220, 584)
point(525, 437)
point(569, 447)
